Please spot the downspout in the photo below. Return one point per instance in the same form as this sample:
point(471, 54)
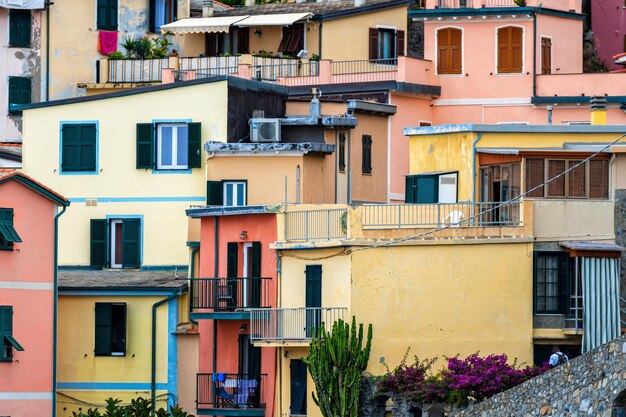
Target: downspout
point(478, 138)
point(55, 318)
point(216, 273)
point(279, 351)
point(153, 358)
point(192, 274)
point(48, 51)
point(535, 51)
point(319, 33)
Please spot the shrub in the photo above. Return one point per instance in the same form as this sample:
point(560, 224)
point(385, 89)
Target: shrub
point(139, 407)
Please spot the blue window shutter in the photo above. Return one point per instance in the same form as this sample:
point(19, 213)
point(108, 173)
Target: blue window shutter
point(298, 373)
point(255, 270)
point(427, 191)
point(87, 147)
point(70, 135)
point(410, 188)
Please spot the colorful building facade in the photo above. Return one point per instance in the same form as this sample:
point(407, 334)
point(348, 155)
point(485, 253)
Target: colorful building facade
point(608, 23)
point(28, 236)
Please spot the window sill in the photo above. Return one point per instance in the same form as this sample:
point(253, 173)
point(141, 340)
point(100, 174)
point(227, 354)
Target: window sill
point(6, 360)
point(172, 171)
point(78, 172)
point(20, 46)
point(367, 174)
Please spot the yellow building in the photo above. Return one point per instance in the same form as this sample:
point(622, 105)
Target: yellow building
point(118, 339)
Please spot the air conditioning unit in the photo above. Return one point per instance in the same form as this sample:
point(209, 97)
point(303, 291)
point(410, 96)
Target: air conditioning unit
point(265, 130)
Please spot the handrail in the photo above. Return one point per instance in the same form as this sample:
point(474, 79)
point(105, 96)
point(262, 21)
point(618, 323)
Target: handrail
point(316, 224)
point(230, 293)
point(298, 324)
point(230, 391)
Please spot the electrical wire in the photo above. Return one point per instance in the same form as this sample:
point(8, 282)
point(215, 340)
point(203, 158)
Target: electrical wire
point(78, 401)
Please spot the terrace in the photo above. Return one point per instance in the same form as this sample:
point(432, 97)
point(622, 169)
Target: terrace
point(222, 394)
point(228, 298)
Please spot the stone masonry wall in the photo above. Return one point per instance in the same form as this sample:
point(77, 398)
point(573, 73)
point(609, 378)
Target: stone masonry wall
point(590, 385)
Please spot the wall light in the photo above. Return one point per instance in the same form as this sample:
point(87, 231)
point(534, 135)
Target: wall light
point(243, 235)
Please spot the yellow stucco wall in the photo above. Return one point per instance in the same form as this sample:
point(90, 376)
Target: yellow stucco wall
point(78, 365)
point(120, 188)
point(354, 32)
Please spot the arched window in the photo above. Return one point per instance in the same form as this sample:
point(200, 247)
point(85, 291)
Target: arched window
point(510, 58)
point(449, 51)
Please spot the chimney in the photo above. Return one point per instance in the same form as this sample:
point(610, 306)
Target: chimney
point(598, 110)
point(314, 106)
point(207, 8)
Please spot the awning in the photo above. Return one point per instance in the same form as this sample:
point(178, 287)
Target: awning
point(593, 246)
point(273, 19)
point(8, 233)
point(14, 343)
point(22, 4)
point(201, 24)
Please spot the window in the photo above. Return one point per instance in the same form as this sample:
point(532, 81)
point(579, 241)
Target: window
point(161, 12)
point(590, 180)
point(292, 41)
point(431, 188)
point(8, 234)
point(168, 146)
point(510, 49)
point(342, 152)
point(546, 56)
point(107, 15)
point(19, 28)
point(449, 51)
point(386, 43)
point(366, 150)
point(236, 41)
point(115, 243)
point(19, 92)
point(78, 147)
point(313, 298)
point(7, 341)
point(551, 279)
point(110, 326)
point(500, 182)
point(298, 391)
point(230, 193)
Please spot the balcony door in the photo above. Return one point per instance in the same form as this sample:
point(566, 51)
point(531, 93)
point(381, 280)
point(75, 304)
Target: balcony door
point(313, 298)
point(251, 284)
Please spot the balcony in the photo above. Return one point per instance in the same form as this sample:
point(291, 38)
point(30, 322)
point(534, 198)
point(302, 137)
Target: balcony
point(291, 325)
point(220, 394)
point(228, 298)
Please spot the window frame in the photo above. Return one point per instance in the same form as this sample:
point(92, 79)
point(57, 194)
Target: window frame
point(15, 43)
point(226, 183)
point(544, 67)
point(159, 148)
point(104, 247)
point(8, 234)
point(124, 339)
point(450, 72)
point(108, 25)
point(497, 52)
point(30, 93)
point(564, 277)
point(95, 123)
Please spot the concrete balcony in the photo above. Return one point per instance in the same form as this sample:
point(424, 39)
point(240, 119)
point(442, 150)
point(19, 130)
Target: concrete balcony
point(570, 219)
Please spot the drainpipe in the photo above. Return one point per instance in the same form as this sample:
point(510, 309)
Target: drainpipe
point(535, 50)
point(48, 51)
point(55, 318)
point(279, 351)
point(216, 273)
point(192, 274)
point(153, 364)
point(478, 138)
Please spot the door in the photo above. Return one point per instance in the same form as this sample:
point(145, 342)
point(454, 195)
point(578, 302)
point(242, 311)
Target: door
point(313, 298)
point(447, 188)
point(298, 373)
point(251, 285)
point(249, 378)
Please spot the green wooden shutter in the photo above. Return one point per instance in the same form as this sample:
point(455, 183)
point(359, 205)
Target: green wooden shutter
point(256, 272)
point(232, 271)
point(102, 15)
point(19, 92)
point(145, 145)
point(87, 147)
point(6, 321)
point(194, 147)
point(313, 285)
point(131, 243)
point(19, 28)
point(118, 327)
point(410, 186)
point(112, 11)
point(70, 148)
point(214, 193)
point(427, 191)
point(298, 375)
point(103, 329)
point(98, 252)
point(152, 16)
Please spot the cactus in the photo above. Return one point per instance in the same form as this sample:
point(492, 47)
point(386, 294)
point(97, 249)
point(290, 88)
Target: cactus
point(336, 361)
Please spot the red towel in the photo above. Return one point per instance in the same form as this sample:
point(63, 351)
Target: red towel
point(107, 42)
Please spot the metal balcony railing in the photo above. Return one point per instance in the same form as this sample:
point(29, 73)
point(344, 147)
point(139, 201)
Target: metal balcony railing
point(230, 391)
point(292, 73)
point(136, 70)
point(316, 224)
point(291, 324)
point(353, 71)
point(442, 214)
point(229, 294)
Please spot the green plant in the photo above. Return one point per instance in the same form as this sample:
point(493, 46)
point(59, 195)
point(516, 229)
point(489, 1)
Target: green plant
point(315, 57)
point(286, 56)
point(129, 44)
point(520, 3)
point(139, 407)
point(264, 54)
point(159, 47)
point(116, 55)
point(336, 362)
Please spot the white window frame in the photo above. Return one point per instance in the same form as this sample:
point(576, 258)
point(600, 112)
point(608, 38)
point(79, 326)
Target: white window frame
point(175, 127)
point(233, 184)
point(496, 52)
point(462, 74)
point(112, 239)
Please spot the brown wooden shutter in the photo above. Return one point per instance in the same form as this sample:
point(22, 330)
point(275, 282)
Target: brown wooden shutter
point(455, 50)
point(443, 41)
point(546, 56)
point(284, 42)
point(535, 173)
point(295, 45)
point(576, 179)
point(598, 179)
point(556, 188)
point(510, 40)
point(516, 49)
point(373, 43)
point(503, 50)
point(400, 43)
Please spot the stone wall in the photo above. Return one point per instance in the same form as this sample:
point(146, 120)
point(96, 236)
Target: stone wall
point(590, 385)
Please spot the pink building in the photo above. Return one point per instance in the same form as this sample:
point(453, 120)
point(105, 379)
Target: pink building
point(28, 212)
point(608, 22)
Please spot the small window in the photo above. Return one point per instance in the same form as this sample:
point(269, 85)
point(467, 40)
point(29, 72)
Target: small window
point(551, 269)
point(366, 150)
point(172, 146)
point(298, 388)
point(546, 56)
point(8, 234)
point(124, 243)
point(449, 51)
point(110, 338)
point(510, 59)
point(19, 28)
point(589, 180)
point(292, 40)
point(431, 188)
point(107, 15)
point(234, 193)
point(7, 341)
point(342, 152)
point(78, 147)
point(19, 92)
point(165, 12)
point(386, 44)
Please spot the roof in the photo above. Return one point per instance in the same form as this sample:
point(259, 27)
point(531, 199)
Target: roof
point(321, 10)
point(492, 11)
point(593, 246)
point(233, 82)
point(477, 128)
point(196, 6)
point(274, 147)
point(11, 151)
point(35, 186)
point(216, 211)
point(120, 280)
point(368, 87)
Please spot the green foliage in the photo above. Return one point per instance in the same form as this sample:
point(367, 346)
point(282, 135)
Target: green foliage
point(264, 54)
point(116, 55)
point(336, 362)
point(139, 407)
point(315, 57)
point(520, 3)
point(144, 48)
point(129, 44)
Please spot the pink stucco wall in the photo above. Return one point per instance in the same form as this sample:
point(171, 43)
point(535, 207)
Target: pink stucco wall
point(26, 278)
point(608, 22)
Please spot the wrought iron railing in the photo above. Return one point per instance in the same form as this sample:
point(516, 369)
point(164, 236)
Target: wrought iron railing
point(316, 224)
point(136, 70)
point(229, 294)
point(230, 391)
point(292, 73)
point(291, 324)
point(364, 70)
point(441, 215)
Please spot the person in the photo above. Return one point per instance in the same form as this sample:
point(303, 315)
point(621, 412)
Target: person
point(557, 357)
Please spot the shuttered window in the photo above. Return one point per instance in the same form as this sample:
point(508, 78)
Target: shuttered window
point(313, 298)
point(341, 153)
point(546, 56)
point(366, 151)
point(535, 174)
point(7, 341)
point(254, 284)
point(589, 180)
point(449, 51)
point(8, 234)
point(551, 282)
point(556, 188)
point(292, 41)
point(78, 147)
point(20, 92)
point(168, 146)
point(510, 40)
point(298, 388)
point(386, 44)
point(115, 243)
point(19, 28)
point(598, 179)
point(577, 180)
point(110, 329)
point(107, 15)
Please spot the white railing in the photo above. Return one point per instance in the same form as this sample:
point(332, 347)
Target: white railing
point(291, 324)
point(136, 70)
point(206, 64)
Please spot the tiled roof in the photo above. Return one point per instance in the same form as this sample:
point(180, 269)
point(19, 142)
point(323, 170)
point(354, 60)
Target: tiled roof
point(35, 185)
point(120, 279)
point(320, 9)
point(196, 7)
